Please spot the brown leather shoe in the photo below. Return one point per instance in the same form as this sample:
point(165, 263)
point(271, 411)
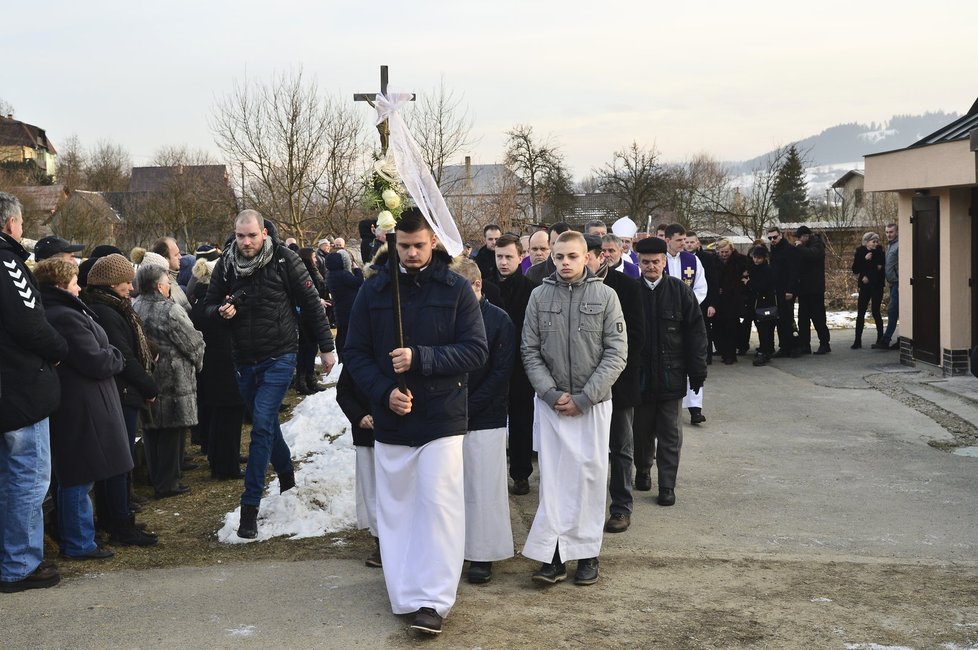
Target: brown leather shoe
point(618, 522)
point(45, 575)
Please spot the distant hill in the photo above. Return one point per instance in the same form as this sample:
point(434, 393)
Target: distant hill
point(846, 144)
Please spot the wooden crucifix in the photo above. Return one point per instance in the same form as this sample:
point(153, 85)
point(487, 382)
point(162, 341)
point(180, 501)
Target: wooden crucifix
point(393, 263)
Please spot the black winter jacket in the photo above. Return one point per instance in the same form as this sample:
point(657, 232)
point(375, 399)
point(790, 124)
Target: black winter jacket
point(266, 323)
point(785, 261)
point(217, 382)
point(88, 432)
point(762, 285)
point(135, 383)
point(489, 385)
point(675, 340)
point(811, 276)
point(355, 404)
point(626, 392)
point(29, 346)
point(711, 269)
point(730, 302)
point(514, 293)
point(873, 268)
point(442, 326)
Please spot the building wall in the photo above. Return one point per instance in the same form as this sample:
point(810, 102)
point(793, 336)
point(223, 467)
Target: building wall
point(955, 269)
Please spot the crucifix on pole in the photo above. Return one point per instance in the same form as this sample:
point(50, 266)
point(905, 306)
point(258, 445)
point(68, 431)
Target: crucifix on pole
point(392, 260)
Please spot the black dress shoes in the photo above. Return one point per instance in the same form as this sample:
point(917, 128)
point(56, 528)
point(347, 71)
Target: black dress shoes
point(587, 571)
point(480, 572)
point(824, 348)
point(175, 492)
point(696, 415)
point(643, 481)
point(45, 575)
point(667, 497)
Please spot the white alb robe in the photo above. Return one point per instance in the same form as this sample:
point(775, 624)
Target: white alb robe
point(421, 521)
point(488, 529)
point(573, 461)
point(366, 490)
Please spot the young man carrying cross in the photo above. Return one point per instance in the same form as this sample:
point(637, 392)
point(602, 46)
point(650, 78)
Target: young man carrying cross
point(418, 433)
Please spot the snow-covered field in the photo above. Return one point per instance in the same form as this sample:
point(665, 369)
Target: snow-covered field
point(323, 500)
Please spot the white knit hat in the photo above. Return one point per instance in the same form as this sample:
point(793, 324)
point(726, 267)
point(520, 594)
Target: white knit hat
point(155, 259)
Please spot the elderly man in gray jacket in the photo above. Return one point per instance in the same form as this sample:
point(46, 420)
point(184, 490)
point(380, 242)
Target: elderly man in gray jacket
point(574, 347)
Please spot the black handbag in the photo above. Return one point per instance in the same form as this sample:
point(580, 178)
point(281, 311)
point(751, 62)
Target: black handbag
point(766, 314)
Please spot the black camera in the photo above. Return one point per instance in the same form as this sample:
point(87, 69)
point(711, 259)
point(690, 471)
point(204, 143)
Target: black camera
point(236, 298)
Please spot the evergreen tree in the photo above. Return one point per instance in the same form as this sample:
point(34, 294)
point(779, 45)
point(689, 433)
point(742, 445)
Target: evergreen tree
point(791, 189)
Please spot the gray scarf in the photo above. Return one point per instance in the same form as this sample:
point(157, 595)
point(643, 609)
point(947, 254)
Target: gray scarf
point(244, 266)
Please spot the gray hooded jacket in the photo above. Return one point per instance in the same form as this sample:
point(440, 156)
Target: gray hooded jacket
point(574, 340)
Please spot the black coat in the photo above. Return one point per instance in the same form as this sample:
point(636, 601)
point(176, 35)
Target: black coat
point(626, 391)
point(343, 288)
point(442, 326)
point(762, 286)
point(711, 270)
point(29, 386)
point(730, 301)
point(266, 323)
point(675, 340)
point(135, 383)
point(489, 385)
point(355, 404)
point(785, 261)
point(88, 432)
point(485, 259)
point(514, 296)
point(217, 382)
point(811, 275)
point(873, 268)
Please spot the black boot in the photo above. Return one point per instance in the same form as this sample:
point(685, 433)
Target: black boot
point(312, 383)
point(301, 385)
point(373, 560)
point(858, 343)
point(248, 525)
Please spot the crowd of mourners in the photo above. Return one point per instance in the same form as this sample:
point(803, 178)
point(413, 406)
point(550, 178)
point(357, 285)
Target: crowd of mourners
point(553, 345)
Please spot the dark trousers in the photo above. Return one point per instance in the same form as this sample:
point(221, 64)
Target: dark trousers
point(223, 426)
point(811, 309)
point(765, 332)
point(786, 322)
point(520, 432)
point(868, 295)
point(305, 357)
point(726, 335)
point(892, 312)
point(743, 332)
point(164, 455)
point(658, 434)
point(621, 458)
point(112, 502)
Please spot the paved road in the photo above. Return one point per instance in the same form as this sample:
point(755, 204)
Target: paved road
point(801, 465)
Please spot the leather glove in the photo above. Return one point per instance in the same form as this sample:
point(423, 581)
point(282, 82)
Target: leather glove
point(696, 383)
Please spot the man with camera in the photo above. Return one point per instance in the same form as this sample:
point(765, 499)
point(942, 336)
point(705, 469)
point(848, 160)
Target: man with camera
point(261, 289)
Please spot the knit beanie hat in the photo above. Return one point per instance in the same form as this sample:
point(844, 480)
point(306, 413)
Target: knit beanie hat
point(109, 270)
point(155, 259)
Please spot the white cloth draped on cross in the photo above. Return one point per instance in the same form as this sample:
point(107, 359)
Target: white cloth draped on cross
point(414, 173)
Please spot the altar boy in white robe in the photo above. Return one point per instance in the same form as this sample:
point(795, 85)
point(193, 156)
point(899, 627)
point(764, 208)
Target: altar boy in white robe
point(488, 530)
point(418, 432)
point(574, 347)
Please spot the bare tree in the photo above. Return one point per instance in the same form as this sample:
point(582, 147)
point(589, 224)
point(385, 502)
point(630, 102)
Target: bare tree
point(109, 168)
point(753, 209)
point(699, 192)
point(72, 163)
point(532, 161)
point(637, 177)
point(295, 150)
point(441, 126)
point(558, 189)
point(6, 108)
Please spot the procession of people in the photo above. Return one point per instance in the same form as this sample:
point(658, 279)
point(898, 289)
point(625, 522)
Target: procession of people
point(574, 367)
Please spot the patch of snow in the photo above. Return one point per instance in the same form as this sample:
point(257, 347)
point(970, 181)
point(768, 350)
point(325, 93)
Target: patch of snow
point(874, 137)
point(323, 500)
point(875, 646)
point(970, 452)
point(821, 600)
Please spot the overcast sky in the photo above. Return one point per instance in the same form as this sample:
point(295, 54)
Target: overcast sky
point(730, 79)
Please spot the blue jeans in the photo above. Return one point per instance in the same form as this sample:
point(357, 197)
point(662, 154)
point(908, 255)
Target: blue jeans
point(262, 386)
point(892, 312)
point(25, 473)
point(76, 520)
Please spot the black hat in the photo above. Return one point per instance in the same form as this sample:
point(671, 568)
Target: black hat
point(759, 251)
point(803, 230)
point(50, 246)
point(649, 245)
point(593, 242)
point(208, 252)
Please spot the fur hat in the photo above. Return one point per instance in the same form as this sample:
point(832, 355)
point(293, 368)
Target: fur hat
point(136, 254)
point(203, 268)
point(109, 270)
